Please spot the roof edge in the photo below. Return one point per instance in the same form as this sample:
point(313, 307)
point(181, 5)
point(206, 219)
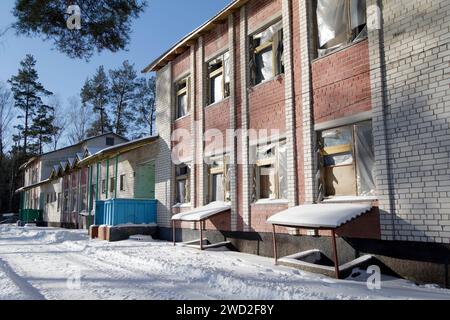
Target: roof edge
point(159, 63)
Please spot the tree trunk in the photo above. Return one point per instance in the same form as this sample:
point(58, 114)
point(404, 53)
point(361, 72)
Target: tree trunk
point(102, 119)
point(119, 115)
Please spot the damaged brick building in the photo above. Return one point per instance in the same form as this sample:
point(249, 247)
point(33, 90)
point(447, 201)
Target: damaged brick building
point(355, 97)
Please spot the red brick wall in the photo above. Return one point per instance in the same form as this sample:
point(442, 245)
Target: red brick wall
point(260, 10)
point(217, 116)
point(216, 39)
point(181, 64)
point(267, 106)
point(185, 124)
point(259, 213)
point(219, 222)
point(341, 83)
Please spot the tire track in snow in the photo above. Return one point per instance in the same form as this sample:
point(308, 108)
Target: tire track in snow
point(116, 271)
point(24, 286)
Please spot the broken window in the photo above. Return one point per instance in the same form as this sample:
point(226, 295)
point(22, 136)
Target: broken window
point(182, 99)
point(270, 172)
point(219, 178)
point(266, 54)
point(340, 22)
point(182, 175)
point(219, 78)
point(347, 160)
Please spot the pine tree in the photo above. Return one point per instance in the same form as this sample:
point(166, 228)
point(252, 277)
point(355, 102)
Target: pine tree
point(145, 107)
point(105, 25)
point(123, 92)
point(27, 93)
point(95, 94)
point(43, 128)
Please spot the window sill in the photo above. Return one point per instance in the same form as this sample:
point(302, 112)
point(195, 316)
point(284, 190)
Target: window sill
point(344, 47)
point(182, 205)
point(270, 202)
point(212, 105)
point(275, 78)
point(181, 118)
point(344, 199)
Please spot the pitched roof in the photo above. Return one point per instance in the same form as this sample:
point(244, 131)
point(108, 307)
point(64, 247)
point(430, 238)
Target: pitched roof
point(119, 148)
point(182, 45)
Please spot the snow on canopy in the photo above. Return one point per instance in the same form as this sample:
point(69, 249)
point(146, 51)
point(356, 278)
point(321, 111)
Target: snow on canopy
point(320, 215)
point(204, 212)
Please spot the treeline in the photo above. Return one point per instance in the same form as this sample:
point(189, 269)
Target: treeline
point(33, 120)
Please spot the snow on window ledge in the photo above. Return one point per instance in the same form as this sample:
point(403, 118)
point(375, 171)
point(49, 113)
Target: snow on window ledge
point(271, 201)
point(182, 205)
point(340, 199)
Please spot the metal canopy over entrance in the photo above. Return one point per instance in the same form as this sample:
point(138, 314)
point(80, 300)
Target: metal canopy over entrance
point(318, 217)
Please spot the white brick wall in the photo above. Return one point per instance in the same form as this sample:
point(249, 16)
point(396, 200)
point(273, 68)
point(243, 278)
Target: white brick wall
point(163, 164)
point(411, 118)
point(308, 126)
point(289, 102)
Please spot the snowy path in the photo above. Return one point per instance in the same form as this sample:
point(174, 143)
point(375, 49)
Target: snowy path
point(46, 263)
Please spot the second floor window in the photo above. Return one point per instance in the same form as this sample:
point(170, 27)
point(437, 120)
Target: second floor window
point(182, 98)
point(266, 54)
point(339, 23)
point(219, 78)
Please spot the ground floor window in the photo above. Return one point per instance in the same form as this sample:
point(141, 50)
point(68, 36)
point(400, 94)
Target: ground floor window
point(270, 172)
point(347, 161)
point(182, 186)
point(218, 178)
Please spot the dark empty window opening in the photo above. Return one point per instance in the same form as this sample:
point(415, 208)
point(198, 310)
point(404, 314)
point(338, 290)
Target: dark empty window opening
point(109, 141)
point(340, 22)
point(266, 54)
point(122, 182)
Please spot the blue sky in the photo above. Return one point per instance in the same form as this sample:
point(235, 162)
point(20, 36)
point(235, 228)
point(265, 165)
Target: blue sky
point(163, 24)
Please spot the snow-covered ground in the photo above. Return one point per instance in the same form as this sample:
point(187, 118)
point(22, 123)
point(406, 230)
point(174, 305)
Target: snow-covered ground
point(47, 263)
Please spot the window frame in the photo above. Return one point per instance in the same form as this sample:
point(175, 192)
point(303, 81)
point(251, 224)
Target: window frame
point(216, 73)
point(351, 36)
point(274, 161)
point(277, 64)
point(223, 169)
point(181, 177)
point(179, 93)
point(337, 150)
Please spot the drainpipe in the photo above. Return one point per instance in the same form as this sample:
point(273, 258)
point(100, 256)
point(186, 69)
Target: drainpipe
point(116, 169)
